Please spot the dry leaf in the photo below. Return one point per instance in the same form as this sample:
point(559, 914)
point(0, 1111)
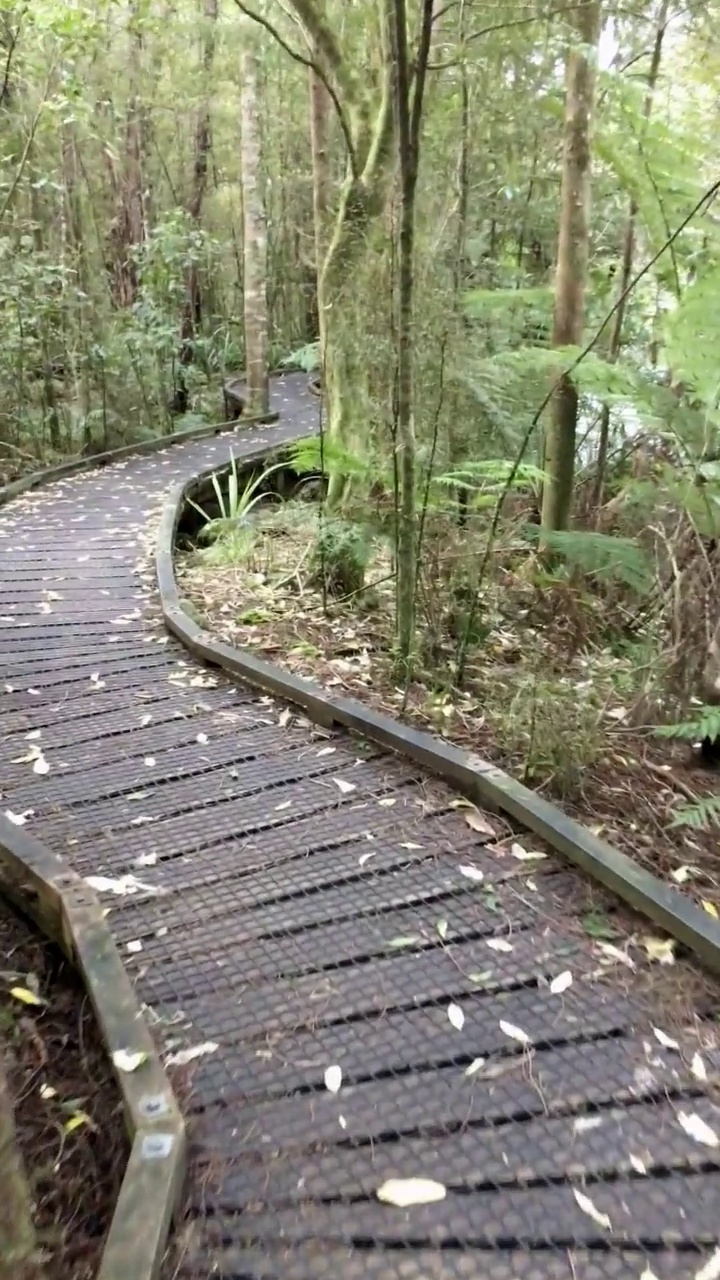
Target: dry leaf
point(405, 1192)
point(697, 1066)
point(128, 1059)
point(183, 1056)
point(696, 1128)
point(442, 928)
point(456, 1016)
point(498, 944)
point(587, 1206)
point(711, 1269)
point(711, 909)
point(477, 823)
point(475, 1066)
point(561, 983)
point(525, 855)
point(666, 1041)
point(515, 1033)
point(344, 786)
point(203, 739)
point(614, 953)
point(584, 1123)
point(471, 873)
point(660, 949)
point(25, 996)
point(333, 1079)
point(637, 1164)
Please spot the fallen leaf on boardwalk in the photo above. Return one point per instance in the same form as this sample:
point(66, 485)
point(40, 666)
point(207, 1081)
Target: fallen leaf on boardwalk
point(498, 944)
point(561, 983)
point(96, 681)
point(660, 949)
point(333, 1079)
point(456, 1016)
point(387, 803)
point(485, 976)
point(344, 786)
point(471, 873)
point(284, 718)
point(442, 928)
point(477, 823)
point(124, 885)
point(134, 947)
point(150, 761)
point(365, 857)
point(138, 795)
point(184, 1056)
point(408, 844)
point(41, 765)
point(145, 721)
point(18, 819)
point(697, 1066)
point(128, 1059)
point(25, 996)
point(203, 739)
point(584, 1123)
point(648, 1275)
point(326, 751)
point(695, 1127)
point(515, 1033)
point(33, 734)
point(665, 1040)
point(405, 1192)
point(711, 1269)
point(285, 804)
point(47, 1092)
point(637, 1164)
point(711, 909)
point(409, 940)
point(475, 1066)
point(587, 1206)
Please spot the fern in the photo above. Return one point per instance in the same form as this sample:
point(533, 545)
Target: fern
point(600, 554)
point(705, 725)
point(705, 813)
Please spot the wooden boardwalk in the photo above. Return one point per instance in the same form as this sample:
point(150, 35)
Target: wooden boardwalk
point(288, 902)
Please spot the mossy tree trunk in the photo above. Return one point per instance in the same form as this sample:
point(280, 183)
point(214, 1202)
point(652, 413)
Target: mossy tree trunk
point(572, 262)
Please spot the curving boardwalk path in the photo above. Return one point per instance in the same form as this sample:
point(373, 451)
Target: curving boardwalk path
point(301, 902)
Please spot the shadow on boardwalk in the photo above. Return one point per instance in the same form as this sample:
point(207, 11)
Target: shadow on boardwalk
point(290, 901)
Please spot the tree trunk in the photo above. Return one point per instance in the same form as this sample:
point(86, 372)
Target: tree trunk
point(572, 263)
point(319, 129)
point(255, 246)
point(626, 265)
point(192, 305)
point(17, 1231)
point(128, 229)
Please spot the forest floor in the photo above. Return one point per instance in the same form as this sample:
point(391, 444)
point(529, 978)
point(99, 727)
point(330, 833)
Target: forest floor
point(559, 717)
point(68, 1112)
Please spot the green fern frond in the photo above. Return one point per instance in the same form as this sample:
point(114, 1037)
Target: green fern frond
point(600, 554)
point(706, 813)
point(706, 724)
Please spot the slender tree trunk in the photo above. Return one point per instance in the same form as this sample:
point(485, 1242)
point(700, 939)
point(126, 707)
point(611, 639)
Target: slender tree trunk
point(572, 263)
point(626, 264)
point(192, 305)
point(255, 245)
point(128, 229)
point(319, 129)
point(51, 416)
point(409, 108)
point(76, 245)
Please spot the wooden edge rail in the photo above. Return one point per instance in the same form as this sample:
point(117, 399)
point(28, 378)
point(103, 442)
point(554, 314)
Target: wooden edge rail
point(41, 885)
point(479, 781)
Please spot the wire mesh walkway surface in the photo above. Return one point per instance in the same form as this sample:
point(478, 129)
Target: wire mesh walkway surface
point(291, 903)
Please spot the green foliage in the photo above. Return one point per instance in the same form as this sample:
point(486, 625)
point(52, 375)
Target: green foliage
point(600, 555)
point(236, 502)
point(705, 813)
point(704, 724)
point(306, 357)
point(340, 558)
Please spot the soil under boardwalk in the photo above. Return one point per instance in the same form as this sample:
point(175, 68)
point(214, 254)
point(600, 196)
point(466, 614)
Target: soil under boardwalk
point(293, 901)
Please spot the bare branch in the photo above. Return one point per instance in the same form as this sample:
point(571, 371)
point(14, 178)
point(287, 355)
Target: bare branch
point(315, 66)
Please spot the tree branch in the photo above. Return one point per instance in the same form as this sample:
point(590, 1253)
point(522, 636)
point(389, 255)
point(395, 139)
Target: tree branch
point(315, 66)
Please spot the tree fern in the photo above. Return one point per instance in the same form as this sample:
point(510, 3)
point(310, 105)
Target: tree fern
point(600, 555)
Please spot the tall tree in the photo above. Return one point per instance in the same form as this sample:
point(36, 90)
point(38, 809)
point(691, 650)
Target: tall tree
point(572, 260)
point(254, 231)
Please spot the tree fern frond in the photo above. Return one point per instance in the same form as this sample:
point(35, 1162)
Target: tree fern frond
point(600, 554)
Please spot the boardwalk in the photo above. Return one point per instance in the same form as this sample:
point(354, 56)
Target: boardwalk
point(293, 902)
